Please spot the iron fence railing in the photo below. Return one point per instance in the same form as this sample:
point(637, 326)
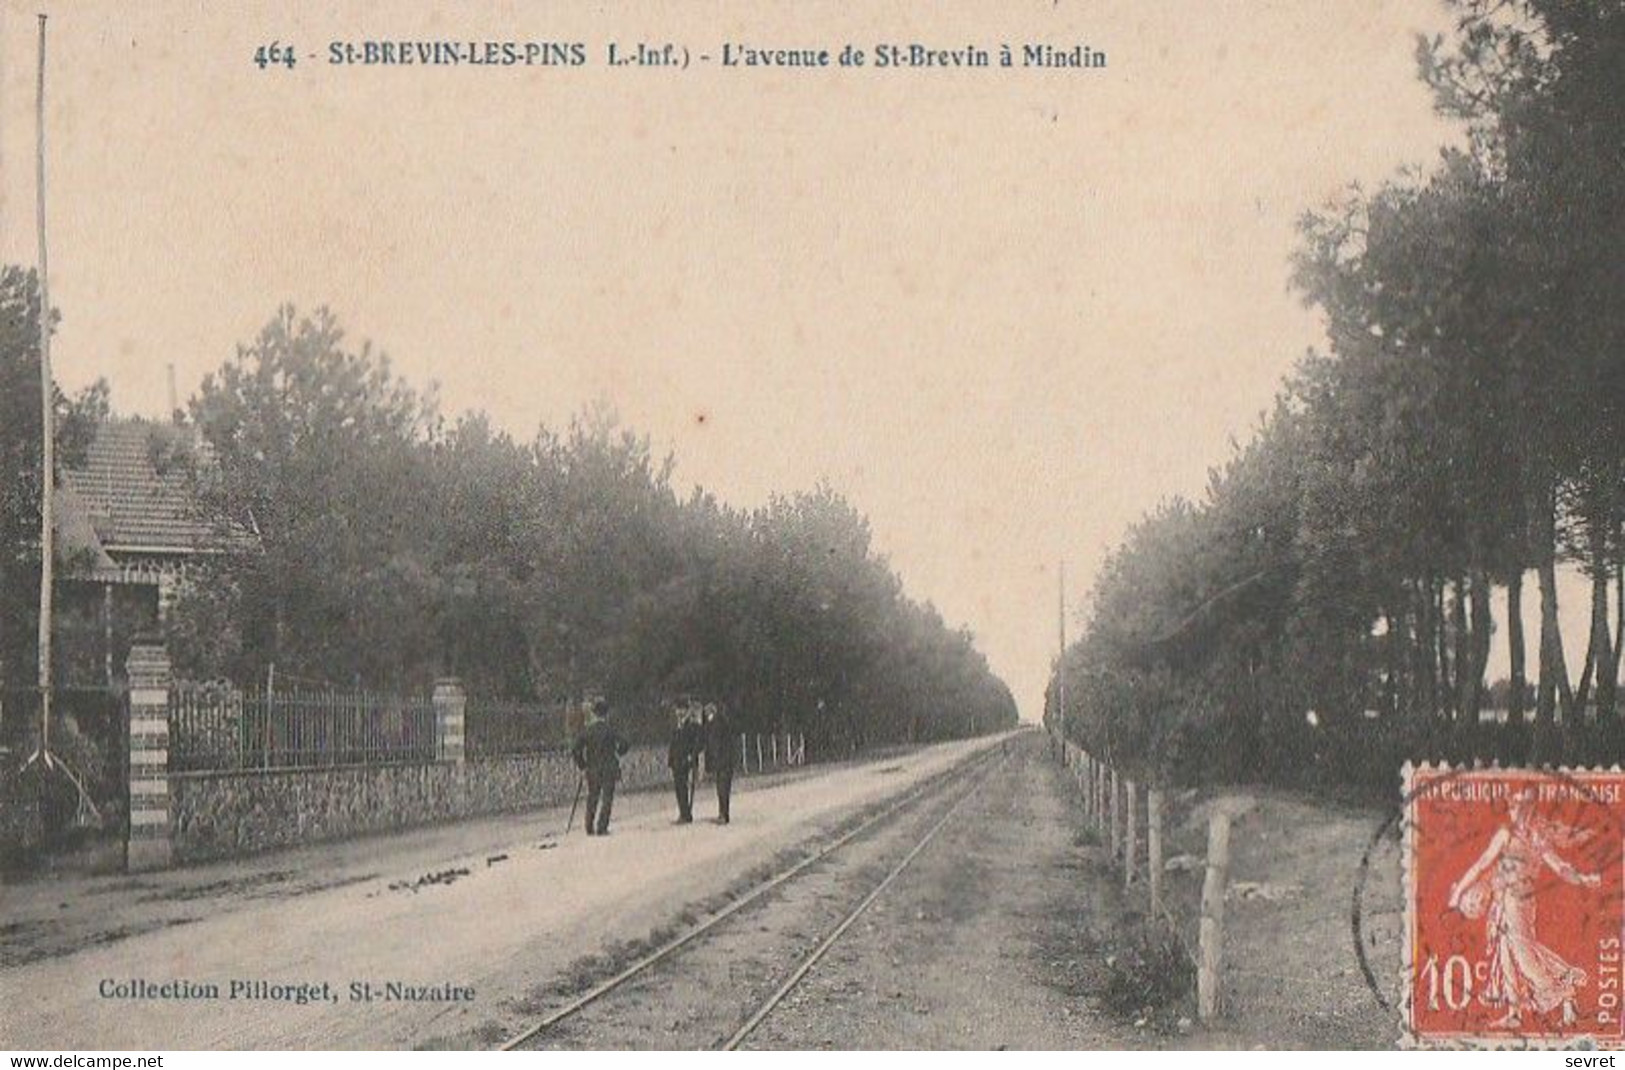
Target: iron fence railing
point(215, 726)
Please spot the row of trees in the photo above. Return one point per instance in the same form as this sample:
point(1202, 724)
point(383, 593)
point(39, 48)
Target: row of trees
point(1327, 606)
point(370, 540)
point(20, 443)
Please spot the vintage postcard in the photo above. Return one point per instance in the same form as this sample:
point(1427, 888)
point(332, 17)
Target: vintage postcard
point(1043, 525)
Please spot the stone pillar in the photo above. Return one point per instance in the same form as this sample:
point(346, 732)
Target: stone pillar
point(450, 703)
point(148, 845)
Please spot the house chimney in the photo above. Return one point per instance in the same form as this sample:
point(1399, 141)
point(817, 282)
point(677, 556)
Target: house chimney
point(174, 402)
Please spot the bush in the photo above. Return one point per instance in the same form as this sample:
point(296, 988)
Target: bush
point(40, 807)
point(1148, 972)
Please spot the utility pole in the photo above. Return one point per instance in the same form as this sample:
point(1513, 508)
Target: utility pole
point(47, 419)
point(1060, 665)
point(47, 570)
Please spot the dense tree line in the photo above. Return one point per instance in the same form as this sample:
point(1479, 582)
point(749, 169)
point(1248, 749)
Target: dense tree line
point(377, 542)
point(20, 441)
point(1326, 608)
point(373, 541)
point(368, 540)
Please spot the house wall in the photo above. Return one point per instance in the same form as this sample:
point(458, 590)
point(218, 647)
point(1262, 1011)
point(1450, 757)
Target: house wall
point(93, 628)
point(220, 815)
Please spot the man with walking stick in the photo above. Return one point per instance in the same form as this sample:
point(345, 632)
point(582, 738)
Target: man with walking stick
point(575, 804)
point(597, 753)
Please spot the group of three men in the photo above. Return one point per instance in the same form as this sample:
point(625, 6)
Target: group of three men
point(699, 730)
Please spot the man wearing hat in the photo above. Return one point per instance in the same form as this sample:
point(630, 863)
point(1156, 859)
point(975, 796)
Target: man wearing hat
point(719, 756)
point(597, 753)
point(683, 757)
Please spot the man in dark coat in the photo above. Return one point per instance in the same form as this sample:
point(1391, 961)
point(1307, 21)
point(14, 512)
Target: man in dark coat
point(683, 757)
point(720, 757)
point(597, 753)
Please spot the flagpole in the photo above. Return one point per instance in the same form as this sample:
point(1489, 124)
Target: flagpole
point(47, 420)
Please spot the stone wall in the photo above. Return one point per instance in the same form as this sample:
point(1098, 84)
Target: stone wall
point(221, 815)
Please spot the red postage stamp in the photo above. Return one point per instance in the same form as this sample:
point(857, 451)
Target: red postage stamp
point(1514, 885)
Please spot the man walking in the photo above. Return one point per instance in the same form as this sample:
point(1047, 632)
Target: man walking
point(597, 753)
point(720, 756)
point(683, 756)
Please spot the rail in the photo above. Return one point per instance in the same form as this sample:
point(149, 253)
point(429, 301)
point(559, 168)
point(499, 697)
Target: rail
point(673, 946)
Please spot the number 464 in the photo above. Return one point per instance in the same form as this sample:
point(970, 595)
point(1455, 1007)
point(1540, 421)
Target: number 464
point(275, 54)
point(1454, 983)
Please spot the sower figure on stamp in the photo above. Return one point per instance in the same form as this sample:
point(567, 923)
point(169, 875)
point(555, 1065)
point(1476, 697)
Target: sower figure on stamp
point(682, 756)
point(720, 756)
point(1524, 974)
point(597, 753)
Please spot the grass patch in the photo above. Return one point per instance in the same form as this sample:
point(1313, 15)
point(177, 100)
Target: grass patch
point(1148, 975)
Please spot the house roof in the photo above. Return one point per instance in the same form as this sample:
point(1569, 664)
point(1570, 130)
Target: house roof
point(132, 504)
point(76, 540)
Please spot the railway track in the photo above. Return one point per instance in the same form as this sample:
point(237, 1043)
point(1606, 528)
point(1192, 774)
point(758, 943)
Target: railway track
point(981, 765)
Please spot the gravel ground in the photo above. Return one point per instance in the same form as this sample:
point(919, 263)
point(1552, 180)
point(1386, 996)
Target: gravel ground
point(1292, 977)
point(991, 939)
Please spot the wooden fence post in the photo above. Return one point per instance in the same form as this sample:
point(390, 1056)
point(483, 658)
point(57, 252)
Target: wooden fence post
point(1109, 809)
point(1211, 948)
point(1153, 847)
point(1097, 805)
point(1130, 846)
point(1116, 829)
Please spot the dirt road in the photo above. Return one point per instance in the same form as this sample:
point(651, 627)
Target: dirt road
point(506, 914)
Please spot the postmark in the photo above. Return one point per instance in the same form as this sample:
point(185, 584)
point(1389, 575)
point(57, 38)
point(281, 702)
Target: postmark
point(1514, 898)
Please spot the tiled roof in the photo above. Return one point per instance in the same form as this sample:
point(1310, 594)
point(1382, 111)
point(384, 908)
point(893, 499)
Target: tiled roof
point(76, 540)
point(134, 506)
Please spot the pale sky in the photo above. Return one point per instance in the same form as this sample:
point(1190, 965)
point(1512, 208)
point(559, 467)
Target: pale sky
point(1004, 311)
